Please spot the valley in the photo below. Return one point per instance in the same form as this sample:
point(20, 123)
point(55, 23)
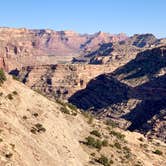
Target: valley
point(73, 84)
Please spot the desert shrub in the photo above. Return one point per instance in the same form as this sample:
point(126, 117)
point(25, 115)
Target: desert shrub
point(144, 145)
point(96, 133)
point(9, 96)
point(93, 154)
point(127, 150)
point(1, 93)
point(158, 152)
point(15, 92)
point(24, 117)
point(96, 143)
point(64, 110)
point(1, 140)
point(38, 128)
point(117, 145)
point(111, 123)
point(103, 160)
point(2, 76)
point(105, 142)
point(118, 135)
point(35, 114)
point(8, 155)
point(15, 78)
point(141, 139)
point(71, 106)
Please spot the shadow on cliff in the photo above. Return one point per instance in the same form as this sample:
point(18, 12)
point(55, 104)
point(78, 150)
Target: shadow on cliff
point(147, 63)
point(100, 92)
point(105, 90)
point(153, 100)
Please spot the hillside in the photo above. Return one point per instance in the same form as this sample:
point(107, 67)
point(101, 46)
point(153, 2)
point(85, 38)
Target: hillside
point(22, 111)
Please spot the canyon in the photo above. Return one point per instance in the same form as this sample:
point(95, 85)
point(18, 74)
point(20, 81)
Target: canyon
point(114, 77)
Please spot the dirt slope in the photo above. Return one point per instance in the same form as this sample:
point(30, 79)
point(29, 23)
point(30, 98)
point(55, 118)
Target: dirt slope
point(19, 112)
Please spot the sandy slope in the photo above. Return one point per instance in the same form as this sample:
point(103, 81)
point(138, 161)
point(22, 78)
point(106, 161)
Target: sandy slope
point(56, 146)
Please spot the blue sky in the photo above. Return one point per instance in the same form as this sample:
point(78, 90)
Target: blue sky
point(87, 16)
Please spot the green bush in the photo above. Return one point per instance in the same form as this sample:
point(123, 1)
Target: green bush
point(105, 142)
point(96, 143)
point(118, 135)
point(111, 123)
point(2, 76)
point(15, 78)
point(117, 145)
point(71, 106)
point(103, 160)
point(96, 133)
point(158, 152)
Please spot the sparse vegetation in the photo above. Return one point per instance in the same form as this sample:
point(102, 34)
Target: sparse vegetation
point(141, 139)
point(104, 160)
point(9, 96)
point(8, 155)
point(117, 135)
point(15, 93)
point(35, 114)
point(71, 106)
point(111, 123)
point(158, 152)
point(67, 108)
point(92, 142)
point(117, 145)
point(38, 128)
point(96, 133)
point(24, 117)
point(105, 142)
point(2, 76)
point(15, 77)
point(144, 145)
point(64, 110)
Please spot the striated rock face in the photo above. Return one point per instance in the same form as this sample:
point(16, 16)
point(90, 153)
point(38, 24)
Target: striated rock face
point(118, 51)
point(23, 47)
point(61, 80)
